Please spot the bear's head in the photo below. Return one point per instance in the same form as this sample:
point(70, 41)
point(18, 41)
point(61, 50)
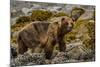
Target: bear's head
point(67, 23)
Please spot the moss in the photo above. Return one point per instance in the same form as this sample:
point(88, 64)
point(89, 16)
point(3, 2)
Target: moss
point(40, 15)
point(14, 40)
point(78, 24)
point(23, 19)
point(60, 14)
point(88, 37)
point(91, 32)
point(18, 26)
point(70, 37)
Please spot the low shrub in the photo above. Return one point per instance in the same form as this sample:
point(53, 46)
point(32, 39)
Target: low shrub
point(70, 36)
point(60, 14)
point(91, 31)
point(40, 15)
point(23, 19)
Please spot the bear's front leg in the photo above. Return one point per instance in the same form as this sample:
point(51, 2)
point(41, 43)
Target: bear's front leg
point(49, 48)
point(21, 47)
point(62, 45)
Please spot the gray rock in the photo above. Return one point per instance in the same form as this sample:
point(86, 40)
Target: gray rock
point(79, 52)
point(27, 59)
point(61, 57)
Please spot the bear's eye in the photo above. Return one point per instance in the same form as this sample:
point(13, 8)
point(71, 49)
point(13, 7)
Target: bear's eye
point(72, 24)
point(66, 23)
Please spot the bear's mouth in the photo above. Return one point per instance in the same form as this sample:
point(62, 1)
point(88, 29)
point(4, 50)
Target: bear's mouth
point(69, 29)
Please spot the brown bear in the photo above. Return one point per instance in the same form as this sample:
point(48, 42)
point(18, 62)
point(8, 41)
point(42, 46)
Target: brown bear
point(42, 35)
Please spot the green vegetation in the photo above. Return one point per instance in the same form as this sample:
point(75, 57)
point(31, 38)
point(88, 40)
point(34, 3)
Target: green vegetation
point(14, 41)
point(23, 19)
point(18, 26)
point(70, 36)
point(60, 14)
point(91, 31)
point(40, 15)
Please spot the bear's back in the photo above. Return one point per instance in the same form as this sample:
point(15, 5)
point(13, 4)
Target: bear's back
point(33, 33)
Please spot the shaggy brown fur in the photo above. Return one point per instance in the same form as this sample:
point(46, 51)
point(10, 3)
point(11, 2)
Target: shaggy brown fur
point(56, 32)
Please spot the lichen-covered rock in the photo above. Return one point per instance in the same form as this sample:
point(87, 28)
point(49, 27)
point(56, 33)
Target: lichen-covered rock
point(80, 53)
point(28, 59)
point(61, 57)
point(39, 58)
